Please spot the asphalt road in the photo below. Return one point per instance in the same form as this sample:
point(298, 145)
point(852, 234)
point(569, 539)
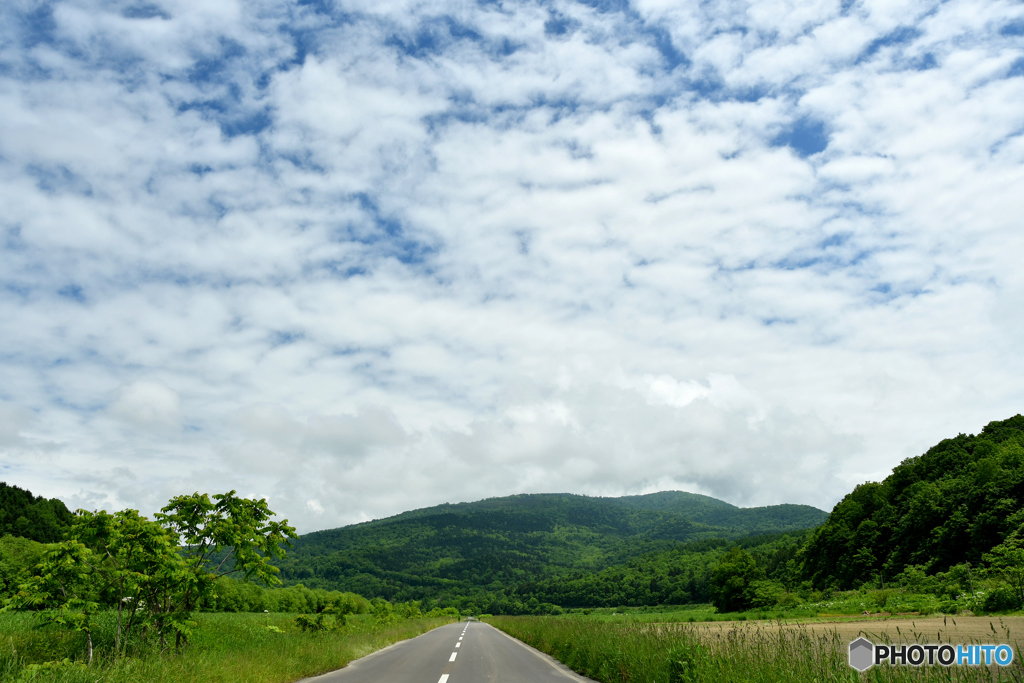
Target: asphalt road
point(466, 652)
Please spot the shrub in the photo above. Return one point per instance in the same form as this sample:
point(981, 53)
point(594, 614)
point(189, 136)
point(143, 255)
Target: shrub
point(1001, 599)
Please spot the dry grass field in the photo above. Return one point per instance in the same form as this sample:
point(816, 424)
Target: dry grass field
point(961, 629)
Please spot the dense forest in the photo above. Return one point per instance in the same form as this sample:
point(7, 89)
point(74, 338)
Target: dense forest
point(950, 506)
point(32, 517)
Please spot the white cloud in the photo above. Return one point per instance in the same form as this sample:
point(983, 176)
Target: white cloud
point(440, 252)
point(148, 403)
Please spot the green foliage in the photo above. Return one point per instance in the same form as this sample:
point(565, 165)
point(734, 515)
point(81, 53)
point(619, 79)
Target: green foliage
point(949, 506)
point(326, 620)
point(1006, 561)
point(32, 517)
point(498, 554)
point(685, 661)
point(63, 594)
point(1002, 599)
point(204, 528)
point(140, 569)
point(234, 595)
point(264, 648)
point(717, 513)
point(734, 581)
point(18, 558)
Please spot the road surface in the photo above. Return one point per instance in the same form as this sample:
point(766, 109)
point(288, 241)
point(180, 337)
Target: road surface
point(466, 652)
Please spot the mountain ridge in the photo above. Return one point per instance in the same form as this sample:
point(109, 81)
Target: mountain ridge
point(501, 542)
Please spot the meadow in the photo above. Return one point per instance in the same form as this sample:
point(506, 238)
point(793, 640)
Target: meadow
point(617, 650)
point(225, 648)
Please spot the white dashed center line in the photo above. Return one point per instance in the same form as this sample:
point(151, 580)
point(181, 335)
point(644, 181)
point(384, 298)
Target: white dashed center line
point(452, 658)
point(457, 644)
point(444, 679)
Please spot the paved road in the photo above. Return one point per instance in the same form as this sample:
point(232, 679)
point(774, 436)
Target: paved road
point(466, 652)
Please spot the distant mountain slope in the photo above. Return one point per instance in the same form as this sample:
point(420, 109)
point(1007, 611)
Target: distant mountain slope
point(718, 513)
point(500, 543)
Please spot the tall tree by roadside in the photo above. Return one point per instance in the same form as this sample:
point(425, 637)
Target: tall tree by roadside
point(154, 573)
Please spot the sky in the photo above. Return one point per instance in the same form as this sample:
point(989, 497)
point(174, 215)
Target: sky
point(362, 257)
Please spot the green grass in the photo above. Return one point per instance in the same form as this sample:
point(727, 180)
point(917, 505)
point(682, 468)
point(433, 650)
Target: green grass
point(851, 604)
point(226, 648)
point(619, 652)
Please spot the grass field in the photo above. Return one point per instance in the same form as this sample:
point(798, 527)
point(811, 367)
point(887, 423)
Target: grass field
point(750, 651)
point(226, 648)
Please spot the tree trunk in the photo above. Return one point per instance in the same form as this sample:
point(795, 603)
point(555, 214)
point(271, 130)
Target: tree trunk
point(117, 636)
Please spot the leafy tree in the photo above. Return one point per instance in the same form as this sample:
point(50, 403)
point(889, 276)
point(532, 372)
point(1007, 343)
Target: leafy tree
point(120, 559)
point(62, 592)
point(18, 558)
point(154, 573)
point(733, 582)
point(1007, 561)
point(135, 566)
point(206, 528)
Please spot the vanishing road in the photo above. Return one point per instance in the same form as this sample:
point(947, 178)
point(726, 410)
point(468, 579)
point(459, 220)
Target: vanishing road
point(466, 652)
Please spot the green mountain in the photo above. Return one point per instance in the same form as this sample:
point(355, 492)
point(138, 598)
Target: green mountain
point(500, 545)
point(718, 513)
point(950, 505)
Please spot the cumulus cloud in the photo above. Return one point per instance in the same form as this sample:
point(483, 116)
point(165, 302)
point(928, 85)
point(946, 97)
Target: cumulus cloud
point(148, 403)
point(361, 257)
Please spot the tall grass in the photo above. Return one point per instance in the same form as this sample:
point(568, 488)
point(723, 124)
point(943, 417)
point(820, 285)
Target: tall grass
point(226, 648)
point(616, 652)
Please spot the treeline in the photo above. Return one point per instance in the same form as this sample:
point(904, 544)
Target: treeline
point(233, 595)
point(32, 517)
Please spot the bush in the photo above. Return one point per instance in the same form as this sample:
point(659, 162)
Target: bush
point(790, 600)
point(684, 662)
point(1002, 599)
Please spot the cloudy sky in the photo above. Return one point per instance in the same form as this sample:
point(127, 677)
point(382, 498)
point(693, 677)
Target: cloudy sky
point(359, 257)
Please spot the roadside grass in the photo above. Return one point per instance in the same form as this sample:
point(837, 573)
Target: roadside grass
point(617, 652)
point(225, 648)
point(889, 603)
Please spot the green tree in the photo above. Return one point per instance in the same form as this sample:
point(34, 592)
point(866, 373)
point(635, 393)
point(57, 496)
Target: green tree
point(120, 559)
point(206, 528)
point(62, 593)
point(732, 586)
point(154, 573)
point(135, 565)
point(1007, 561)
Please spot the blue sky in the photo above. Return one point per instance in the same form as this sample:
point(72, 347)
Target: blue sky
point(360, 257)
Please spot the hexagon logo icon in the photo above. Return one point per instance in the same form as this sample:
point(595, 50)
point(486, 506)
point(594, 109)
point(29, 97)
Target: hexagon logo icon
point(862, 654)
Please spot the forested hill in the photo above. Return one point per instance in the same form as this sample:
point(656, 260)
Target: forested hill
point(500, 543)
point(718, 513)
point(951, 505)
point(32, 517)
